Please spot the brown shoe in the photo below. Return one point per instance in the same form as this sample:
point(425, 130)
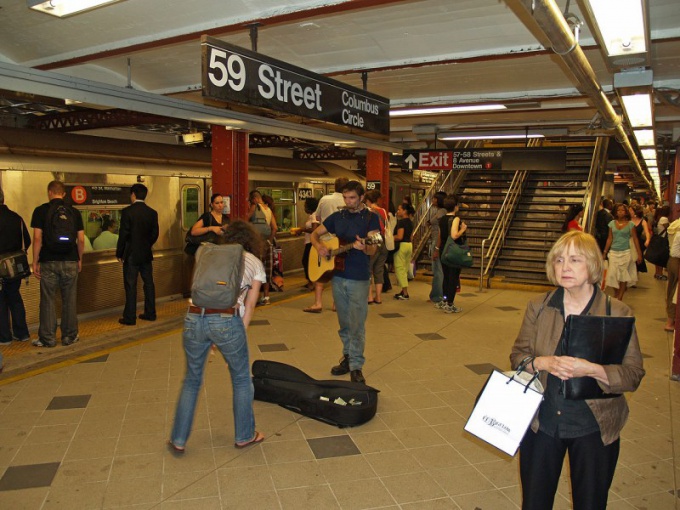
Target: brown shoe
point(357, 376)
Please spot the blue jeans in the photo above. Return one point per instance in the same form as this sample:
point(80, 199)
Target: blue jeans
point(229, 335)
point(436, 293)
point(12, 307)
point(351, 303)
point(62, 277)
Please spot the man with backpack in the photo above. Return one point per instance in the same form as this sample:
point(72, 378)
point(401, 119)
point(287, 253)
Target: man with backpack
point(137, 234)
point(58, 245)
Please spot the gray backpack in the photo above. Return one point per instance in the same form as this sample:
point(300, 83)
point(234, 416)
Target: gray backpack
point(217, 275)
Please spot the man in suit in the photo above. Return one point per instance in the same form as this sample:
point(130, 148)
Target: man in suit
point(138, 233)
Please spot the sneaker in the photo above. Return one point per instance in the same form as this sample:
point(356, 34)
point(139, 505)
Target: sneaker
point(452, 309)
point(263, 301)
point(675, 377)
point(342, 368)
point(24, 339)
point(40, 343)
point(402, 297)
point(6, 342)
point(440, 305)
point(69, 341)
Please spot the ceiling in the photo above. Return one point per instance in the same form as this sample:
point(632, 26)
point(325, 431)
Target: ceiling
point(417, 52)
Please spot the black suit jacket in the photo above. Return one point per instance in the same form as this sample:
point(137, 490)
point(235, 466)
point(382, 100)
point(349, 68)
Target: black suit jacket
point(138, 233)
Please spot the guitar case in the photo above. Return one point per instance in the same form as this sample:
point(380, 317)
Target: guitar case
point(339, 403)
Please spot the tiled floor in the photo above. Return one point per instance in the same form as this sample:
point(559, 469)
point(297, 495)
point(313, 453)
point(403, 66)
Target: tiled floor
point(91, 435)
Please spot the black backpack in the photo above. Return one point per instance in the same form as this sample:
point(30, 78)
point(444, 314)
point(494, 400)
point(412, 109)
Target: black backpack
point(60, 233)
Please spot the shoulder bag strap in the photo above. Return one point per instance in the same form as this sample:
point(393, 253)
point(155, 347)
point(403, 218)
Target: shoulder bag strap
point(609, 305)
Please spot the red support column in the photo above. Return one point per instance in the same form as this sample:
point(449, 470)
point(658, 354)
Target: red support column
point(378, 169)
point(230, 168)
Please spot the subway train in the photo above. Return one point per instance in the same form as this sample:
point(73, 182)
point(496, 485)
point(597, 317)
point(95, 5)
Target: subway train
point(98, 173)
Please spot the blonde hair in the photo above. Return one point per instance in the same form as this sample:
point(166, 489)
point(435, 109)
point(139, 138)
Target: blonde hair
point(584, 244)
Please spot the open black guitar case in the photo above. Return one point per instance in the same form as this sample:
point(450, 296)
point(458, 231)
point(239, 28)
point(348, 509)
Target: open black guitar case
point(339, 403)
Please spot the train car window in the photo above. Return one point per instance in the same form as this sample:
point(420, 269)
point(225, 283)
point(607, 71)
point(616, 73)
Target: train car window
point(284, 207)
point(190, 201)
point(101, 228)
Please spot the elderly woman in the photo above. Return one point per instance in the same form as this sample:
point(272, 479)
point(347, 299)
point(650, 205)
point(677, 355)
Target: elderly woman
point(225, 329)
point(588, 429)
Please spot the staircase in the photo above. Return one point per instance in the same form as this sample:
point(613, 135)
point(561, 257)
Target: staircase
point(538, 219)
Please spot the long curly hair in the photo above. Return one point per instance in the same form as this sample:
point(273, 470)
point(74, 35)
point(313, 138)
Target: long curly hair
point(241, 232)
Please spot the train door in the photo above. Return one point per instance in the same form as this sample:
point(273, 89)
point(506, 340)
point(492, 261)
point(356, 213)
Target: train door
point(192, 206)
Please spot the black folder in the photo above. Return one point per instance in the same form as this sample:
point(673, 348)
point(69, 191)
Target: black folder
point(599, 339)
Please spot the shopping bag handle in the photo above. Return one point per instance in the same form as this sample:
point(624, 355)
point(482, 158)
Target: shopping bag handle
point(521, 368)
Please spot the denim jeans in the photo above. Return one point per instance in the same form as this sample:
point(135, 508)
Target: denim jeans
point(229, 335)
point(437, 292)
point(59, 276)
point(351, 303)
point(130, 272)
point(12, 307)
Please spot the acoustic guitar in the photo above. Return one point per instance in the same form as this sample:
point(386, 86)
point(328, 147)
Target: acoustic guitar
point(321, 269)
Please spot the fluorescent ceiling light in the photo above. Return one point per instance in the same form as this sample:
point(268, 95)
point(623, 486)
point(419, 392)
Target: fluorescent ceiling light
point(446, 109)
point(638, 109)
point(621, 24)
point(64, 8)
point(644, 137)
point(648, 153)
point(489, 136)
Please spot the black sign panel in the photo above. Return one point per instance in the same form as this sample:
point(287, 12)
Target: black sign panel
point(305, 193)
point(473, 159)
point(104, 195)
point(234, 74)
point(373, 185)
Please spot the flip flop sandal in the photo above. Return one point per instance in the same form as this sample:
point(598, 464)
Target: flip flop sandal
point(257, 439)
point(312, 310)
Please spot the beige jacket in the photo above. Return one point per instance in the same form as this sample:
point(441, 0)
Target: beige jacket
point(541, 332)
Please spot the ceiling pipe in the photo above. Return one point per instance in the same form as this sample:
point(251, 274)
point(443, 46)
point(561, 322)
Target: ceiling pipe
point(551, 21)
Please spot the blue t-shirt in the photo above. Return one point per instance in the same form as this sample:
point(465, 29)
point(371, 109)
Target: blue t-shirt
point(347, 226)
point(621, 237)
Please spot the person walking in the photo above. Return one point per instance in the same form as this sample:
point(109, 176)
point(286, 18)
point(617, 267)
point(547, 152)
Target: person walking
point(379, 258)
point(436, 212)
point(261, 216)
point(622, 271)
point(13, 237)
point(138, 233)
point(58, 246)
point(225, 329)
point(602, 220)
point(351, 225)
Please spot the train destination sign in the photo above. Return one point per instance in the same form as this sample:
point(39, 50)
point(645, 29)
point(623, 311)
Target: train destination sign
point(471, 159)
point(234, 74)
point(98, 195)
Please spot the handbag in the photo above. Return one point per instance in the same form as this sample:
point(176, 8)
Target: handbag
point(505, 408)
point(14, 265)
point(456, 255)
point(658, 252)
point(191, 243)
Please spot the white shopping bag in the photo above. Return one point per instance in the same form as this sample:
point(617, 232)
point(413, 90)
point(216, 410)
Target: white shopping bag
point(504, 410)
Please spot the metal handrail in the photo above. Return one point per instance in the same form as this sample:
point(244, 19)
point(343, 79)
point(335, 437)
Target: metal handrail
point(594, 185)
point(500, 226)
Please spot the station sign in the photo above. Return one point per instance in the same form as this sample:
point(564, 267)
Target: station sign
point(373, 185)
point(471, 159)
point(234, 74)
point(103, 195)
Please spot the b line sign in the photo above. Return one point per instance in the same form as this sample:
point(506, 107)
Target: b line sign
point(452, 160)
point(237, 75)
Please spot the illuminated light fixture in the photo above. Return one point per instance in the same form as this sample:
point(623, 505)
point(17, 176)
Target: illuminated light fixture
point(644, 137)
point(621, 25)
point(64, 8)
point(440, 110)
point(518, 134)
point(638, 109)
point(648, 154)
point(650, 161)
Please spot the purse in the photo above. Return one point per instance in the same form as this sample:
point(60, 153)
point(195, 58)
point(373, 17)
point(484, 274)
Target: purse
point(658, 251)
point(505, 408)
point(456, 255)
point(192, 243)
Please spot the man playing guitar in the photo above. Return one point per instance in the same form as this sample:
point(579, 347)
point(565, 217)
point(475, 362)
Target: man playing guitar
point(350, 285)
